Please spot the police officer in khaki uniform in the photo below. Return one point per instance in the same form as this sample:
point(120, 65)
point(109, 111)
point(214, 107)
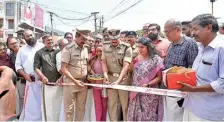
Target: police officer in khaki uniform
point(74, 59)
point(131, 39)
point(116, 59)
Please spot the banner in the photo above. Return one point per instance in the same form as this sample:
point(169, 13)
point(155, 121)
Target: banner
point(28, 15)
point(39, 17)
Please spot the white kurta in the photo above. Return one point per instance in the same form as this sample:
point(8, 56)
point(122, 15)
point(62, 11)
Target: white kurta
point(172, 112)
point(58, 61)
point(32, 99)
point(52, 100)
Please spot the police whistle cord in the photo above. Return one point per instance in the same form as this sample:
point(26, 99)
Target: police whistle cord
point(156, 91)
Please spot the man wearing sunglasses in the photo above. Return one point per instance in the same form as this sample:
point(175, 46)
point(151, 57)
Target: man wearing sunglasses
point(182, 52)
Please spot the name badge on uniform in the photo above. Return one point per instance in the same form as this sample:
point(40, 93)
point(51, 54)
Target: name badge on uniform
point(120, 54)
point(76, 55)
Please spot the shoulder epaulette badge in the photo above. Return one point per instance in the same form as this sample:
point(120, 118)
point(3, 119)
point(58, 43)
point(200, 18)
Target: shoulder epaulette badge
point(126, 44)
point(69, 46)
point(106, 42)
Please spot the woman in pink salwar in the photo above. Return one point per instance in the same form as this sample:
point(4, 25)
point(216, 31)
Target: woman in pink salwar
point(147, 73)
point(100, 99)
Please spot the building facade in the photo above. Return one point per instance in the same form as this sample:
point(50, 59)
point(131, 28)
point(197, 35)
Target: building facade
point(16, 16)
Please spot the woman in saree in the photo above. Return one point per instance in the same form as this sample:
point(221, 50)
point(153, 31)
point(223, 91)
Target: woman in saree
point(147, 72)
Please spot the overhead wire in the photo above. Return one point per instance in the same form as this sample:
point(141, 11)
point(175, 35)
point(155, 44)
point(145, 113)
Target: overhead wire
point(73, 18)
point(74, 25)
point(86, 19)
point(52, 7)
point(121, 12)
point(116, 6)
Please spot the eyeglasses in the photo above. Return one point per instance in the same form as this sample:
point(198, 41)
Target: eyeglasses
point(67, 37)
point(169, 31)
point(13, 43)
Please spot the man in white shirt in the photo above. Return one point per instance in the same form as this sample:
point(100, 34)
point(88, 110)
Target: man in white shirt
point(205, 100)
point(61, 43)
point(24, 66)
point(221, 30)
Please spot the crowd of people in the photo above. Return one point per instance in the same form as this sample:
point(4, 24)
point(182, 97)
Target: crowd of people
point(122, 58)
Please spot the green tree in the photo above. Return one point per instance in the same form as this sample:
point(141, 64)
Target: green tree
point(139, 33)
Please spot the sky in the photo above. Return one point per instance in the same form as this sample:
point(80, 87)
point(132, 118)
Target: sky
point(147, 11)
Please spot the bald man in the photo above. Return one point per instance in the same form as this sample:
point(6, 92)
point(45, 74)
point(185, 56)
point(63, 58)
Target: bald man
point(182, 52)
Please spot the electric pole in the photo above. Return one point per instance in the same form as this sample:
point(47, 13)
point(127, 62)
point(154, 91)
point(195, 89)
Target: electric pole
point(95, 18)
point(102, 21)
point(51, 16)
point(212, 1)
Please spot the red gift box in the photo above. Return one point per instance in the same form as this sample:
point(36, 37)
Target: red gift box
point(185, 75)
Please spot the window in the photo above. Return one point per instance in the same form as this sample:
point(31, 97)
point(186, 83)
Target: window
point(10, 9)
point(10, 24)
point(10, 35)
point(1, 23)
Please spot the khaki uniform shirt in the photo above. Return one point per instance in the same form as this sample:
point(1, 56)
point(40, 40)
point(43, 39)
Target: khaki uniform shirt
point(115, 56)
point(134, 54)
point(134, 50)
point(77, 58)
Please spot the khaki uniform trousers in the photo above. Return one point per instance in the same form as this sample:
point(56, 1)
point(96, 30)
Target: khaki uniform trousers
point(74, 98)
point(113, 99)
